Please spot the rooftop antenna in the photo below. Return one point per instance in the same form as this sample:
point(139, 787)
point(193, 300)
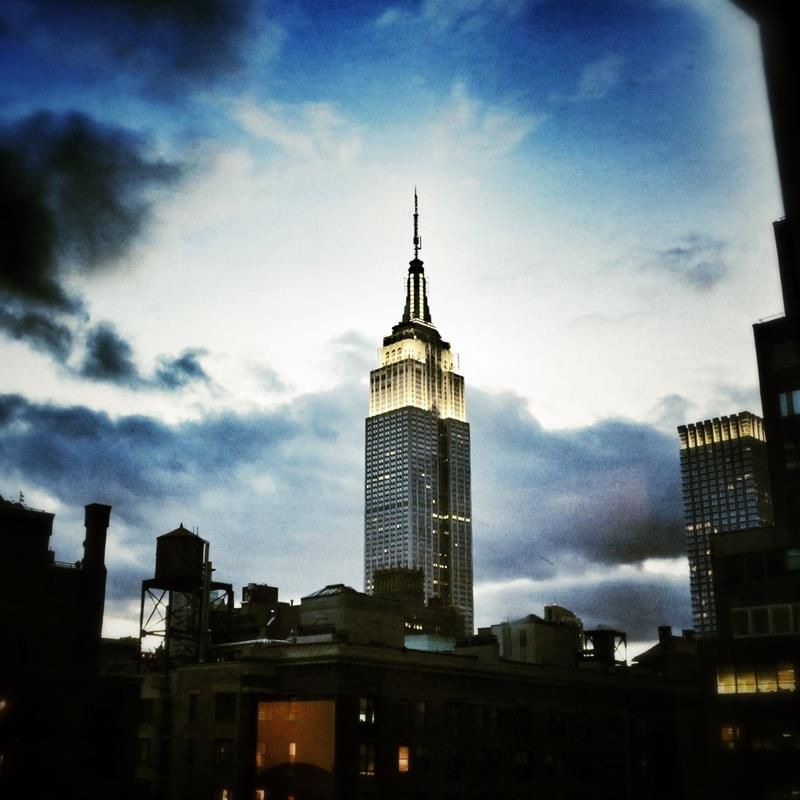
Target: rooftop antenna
point(417, 237)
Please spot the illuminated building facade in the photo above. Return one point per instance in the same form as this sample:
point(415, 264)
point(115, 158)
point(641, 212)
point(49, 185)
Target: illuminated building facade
point(418, 505)
point(725, 488)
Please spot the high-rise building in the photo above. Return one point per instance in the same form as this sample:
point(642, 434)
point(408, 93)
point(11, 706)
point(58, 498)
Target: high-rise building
point(725, 488)
point(418, 503)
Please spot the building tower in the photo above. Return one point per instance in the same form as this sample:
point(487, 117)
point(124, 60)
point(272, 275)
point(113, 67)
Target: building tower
point(418, 504)
point(725, 488)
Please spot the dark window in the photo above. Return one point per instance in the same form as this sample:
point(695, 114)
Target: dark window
point(223, 753)
point(366, 759)
point(759, 618)
point(146, 709)
point(194, 700)
point(144, 751)
point(224, 707)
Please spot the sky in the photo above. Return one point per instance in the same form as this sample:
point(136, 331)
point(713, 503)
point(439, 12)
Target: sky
point(206, 229)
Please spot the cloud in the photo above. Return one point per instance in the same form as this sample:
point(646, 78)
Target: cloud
point(169, 45)
point(310, 130)
point(108, 357)
point(472, 130)
point(74, 194)
point(632, 601)
point(598, 78)
point(391, 16)
point(38, 329)
point(608, 493)
point(452, 16)
point(175, 373)
point(696, 260)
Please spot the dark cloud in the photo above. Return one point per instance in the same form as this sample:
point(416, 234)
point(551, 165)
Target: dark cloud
point(109, 357)
point(39, 329)
point(698, 260)
point(607, 493)
point(635, 607)
point(167, 44)
point(175, 373)
point(131, 461)
point(73, 194)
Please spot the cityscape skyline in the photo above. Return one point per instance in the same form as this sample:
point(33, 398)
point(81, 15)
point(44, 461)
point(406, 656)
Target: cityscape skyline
point(208, 366)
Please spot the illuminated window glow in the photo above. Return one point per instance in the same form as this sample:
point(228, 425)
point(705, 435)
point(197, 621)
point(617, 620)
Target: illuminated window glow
point(763, 679)
point(402, 758)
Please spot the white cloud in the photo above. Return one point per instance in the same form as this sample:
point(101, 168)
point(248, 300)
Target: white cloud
point(392, 16)
point(306, 131)
point(447, 14)
point(468, 128)
point(598, 78)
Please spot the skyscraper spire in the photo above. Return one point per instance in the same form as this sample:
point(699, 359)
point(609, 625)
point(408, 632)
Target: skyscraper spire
point(416, 307)
point(417, 237)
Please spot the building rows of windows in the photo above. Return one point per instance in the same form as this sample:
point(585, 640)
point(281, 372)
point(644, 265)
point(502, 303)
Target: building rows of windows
point(758, 679)
point(779, 619)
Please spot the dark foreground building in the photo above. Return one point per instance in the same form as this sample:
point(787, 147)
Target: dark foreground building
point(67, 725)
point(335, 720)
point(749, 671)
point(348, 695)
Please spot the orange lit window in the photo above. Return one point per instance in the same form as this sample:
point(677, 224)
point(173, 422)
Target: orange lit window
point(729, 736)
point(292, 752)
point(402, 758)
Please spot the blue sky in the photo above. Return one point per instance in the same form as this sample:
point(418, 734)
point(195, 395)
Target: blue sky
point(210, 229)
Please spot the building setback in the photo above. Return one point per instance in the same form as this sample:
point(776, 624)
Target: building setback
point(418, 502)
point(725, 483)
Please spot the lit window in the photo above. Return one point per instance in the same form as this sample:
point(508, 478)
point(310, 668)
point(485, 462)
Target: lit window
point(292, 752)
point(366, 709)
point(729, 736)
point(786, 682)
point(726, 681)
point(402, 758)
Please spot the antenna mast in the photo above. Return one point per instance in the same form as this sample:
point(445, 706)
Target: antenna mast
point(417, 237)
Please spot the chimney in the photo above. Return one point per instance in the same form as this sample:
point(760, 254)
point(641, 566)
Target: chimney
point(664, 634)
point(94, 546)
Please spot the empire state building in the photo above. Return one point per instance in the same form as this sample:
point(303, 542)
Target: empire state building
point(418, 509)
